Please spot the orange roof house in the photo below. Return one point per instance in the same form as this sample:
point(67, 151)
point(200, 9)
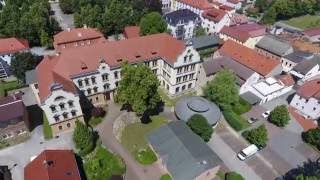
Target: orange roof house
point(53, 165)
point(199, 4)
point(13, 45)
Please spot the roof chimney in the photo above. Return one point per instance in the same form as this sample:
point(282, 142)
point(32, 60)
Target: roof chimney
point(85, 26)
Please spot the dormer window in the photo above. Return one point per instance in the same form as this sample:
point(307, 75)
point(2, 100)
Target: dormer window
point(153, 53)
point(138, 56)
point(119, 60)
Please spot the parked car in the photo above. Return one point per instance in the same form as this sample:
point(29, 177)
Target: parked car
point(252, 120)
point(247, 152)
point(266, 114)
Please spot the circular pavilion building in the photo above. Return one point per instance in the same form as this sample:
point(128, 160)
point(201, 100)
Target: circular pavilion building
point(189, 106)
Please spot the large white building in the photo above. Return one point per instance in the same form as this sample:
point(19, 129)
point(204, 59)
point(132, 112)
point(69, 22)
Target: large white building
point(196, 6)
point(86, 71)
point(306, 100)
point(213, 20)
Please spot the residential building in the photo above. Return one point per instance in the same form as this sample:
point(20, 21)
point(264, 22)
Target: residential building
point(205, 45)
point(77, 78)
point(291, 60)
point(238, 19)
point(53, 165)
point(9, 46)
point(196, 6)
point(213, 20)
point(13, 117)
point(165, 4)
point(264, 66)
point(313, 35)
point(282, 28)
point(182, 23)
point(182, 153)
point(270, 88)
point(131, 32)
point(246, 34)
point(236, 4)
point(273, 47)
point(245, 76)
point(306, 99)
point(72, 38)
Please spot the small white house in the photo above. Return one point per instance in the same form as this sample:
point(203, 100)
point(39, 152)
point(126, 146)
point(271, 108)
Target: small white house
point(213, 20)
point(236, 4)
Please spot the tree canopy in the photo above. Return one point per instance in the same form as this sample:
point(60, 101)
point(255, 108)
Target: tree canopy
point(233, 176)
point(29, 20)
point(199, 125)
point(138, 88)
point(280, 116)
point(257, 136)
point(83, 138)
point(222, 89)
point(312, 136)
point(152, 23)
point(22, 62)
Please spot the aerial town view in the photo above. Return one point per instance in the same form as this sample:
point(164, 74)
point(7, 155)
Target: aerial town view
point(159, 89)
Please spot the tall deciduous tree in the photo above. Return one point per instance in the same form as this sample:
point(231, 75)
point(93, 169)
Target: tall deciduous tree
point(138, 88)
point(67, 6)
point(83, 138)
point(152, 23)
point(200, 32)
point(22, 62)
point(257, 136)
point(199, 125)
point(280, 116)
point(312, 136)
point(222, 89)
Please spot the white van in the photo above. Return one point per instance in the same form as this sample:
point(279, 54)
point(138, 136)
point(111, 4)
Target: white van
point(247, 152)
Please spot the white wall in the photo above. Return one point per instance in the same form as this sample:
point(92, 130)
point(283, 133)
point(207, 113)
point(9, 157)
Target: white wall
point(189, 29)
point(254, 78)
point(212, 27)
point(309, 108)
point(313, 72)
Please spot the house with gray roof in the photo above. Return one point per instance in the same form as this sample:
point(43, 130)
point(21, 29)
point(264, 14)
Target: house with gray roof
point(273, 47)
point(183, 154)
point(206, 45)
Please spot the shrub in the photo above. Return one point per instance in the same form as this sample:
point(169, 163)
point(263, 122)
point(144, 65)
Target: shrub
point(280, 116)
point(258, 136)
point(146, 156)
point(233, 176)
point(98, 112)
point(165, 177)
point(233, 119)
point(47, 131)
point(312, 136)
point(199, 125)
point(83, 138)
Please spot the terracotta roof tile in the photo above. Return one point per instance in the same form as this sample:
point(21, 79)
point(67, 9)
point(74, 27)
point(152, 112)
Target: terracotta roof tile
point(286, 79)
point(13, 45)
point(200, 4)
point(131, 32)
point(214, 14)
point(310, 89)
point(53, 165)
point(233, 1)
point(312, 32)
point(248, 57)
point(226, 8)
point(306, 124)
point(244, 31)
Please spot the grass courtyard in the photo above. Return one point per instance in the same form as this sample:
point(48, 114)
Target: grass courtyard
point(6, 86)
point(304, 22)
point(171, 101)
point(133, 138)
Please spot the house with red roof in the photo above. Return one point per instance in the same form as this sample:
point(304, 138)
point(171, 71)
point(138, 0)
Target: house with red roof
point(196, 6)
point(235, 4)
point(131, 32)
point(88, 74)
point(306, 100)
point(213, 20)
point(246, 34)
point(53, 165)
point(313, 34)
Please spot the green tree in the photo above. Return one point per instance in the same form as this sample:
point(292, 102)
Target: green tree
point(200, 32)
point(304, 177)
point(199, 125)
point(222, 89)
point(45, 39)
point(22, 62)
point(83, 138)
point(270, 16)
point(257, 136)
point(234, 176)
point(312, 136)
point(138, 88)
point(89, 15)
point(152, 23)
point(280, 116)
point(67, 6)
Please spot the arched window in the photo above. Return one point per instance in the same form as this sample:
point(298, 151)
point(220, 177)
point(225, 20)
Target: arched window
point(89, 91)
point(106, 86)
point(95, 89)
point(93, 80)
point(105, 77)
point(86, 81)
point(59, 98)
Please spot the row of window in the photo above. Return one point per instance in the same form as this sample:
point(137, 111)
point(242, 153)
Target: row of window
point(153, 63)
point(165, 74)
point(183, 87)
point(185, 69)
point(65, 115)
point(61, 128)
point(105, 77)
point(11, 134)
point(62, 106)
point(188, 58)
point(185, 78)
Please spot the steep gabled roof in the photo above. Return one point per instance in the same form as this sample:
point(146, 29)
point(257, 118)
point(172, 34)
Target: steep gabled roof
point(13, 45)
point(53, 165)
point(310, 89)
point(248, 57)
point(199, 4)
point(274, 45)
point(214, 14)
point(244, 31)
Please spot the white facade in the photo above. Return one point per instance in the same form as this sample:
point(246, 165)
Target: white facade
point(212, 27)
point(176, 5)
point(165, 4)
point(309, 108)
point(188, 30)
point(314, 71)
point(250, 42)
point(254, 78)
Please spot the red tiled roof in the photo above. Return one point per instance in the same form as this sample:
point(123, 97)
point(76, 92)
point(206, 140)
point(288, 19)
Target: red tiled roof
point(131, 32)
point(286, 79)
point(233, 1)
point(214, 14)
point(238, 19)
point(244, 31)
point(306, 124)
point(13, 45)
point(248, 57)
point(59, 69)
point(199, 4)
point(76, 34)
point(53, 165)
point(312, 32)
point(226, 8)
point(310, 89)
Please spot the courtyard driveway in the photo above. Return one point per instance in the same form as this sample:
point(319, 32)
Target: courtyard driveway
point(20, 154)
point(65, 20)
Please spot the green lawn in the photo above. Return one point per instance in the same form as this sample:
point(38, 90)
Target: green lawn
point(102, 164)
point(242, 107)
point(304, 22)
point(94, 121)
point(133, 138)
point(7, 86)
point(47, 131)
point(165, 177)
point(171, 101)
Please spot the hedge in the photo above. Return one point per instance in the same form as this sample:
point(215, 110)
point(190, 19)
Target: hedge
point(233, 119)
